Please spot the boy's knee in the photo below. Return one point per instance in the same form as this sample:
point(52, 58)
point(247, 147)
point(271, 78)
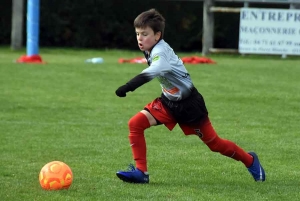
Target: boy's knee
point(217, 145)
point(133, 122)
point(214, 144)
point(139, 121)
point(222, 146)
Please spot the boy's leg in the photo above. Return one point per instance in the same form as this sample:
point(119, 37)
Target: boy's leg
point(137, 124)
point(208, 135)
point(223, 146)
point(153, 114)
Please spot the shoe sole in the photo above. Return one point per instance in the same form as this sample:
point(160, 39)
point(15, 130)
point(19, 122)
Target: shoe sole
point(126, 179)
point(123, 178)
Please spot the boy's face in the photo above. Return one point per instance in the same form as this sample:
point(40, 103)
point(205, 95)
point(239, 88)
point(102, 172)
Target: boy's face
point(146, 38)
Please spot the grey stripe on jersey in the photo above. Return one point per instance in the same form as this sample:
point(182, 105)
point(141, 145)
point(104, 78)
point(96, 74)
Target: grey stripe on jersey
point(164, 64)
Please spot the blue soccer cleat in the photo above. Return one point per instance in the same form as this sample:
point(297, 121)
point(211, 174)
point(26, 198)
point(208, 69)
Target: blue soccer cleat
point(133, 175)
point(256, 170)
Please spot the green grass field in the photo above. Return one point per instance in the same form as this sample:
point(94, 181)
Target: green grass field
point(67, 110)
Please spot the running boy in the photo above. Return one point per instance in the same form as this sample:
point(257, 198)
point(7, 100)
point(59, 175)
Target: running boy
point(180, 102)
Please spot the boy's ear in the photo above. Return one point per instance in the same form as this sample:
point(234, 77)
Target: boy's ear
point(157, 35)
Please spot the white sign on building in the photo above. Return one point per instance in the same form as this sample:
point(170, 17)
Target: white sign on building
point(269, 31)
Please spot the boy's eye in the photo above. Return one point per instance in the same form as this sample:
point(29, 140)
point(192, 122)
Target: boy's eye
point(143, 34)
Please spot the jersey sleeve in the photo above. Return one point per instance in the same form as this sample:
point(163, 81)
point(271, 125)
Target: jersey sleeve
point(159, 66)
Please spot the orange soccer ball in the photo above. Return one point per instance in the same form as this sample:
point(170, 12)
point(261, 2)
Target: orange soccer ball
point(56, 175)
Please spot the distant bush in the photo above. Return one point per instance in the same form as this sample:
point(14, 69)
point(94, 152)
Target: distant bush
point(109, 24)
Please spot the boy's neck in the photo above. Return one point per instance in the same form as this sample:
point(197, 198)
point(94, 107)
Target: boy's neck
point(149, 51)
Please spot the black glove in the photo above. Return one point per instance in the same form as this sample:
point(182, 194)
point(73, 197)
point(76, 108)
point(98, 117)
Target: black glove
point(122, 90)
point(134, 83)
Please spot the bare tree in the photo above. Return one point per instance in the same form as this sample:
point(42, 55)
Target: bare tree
point(17, 24)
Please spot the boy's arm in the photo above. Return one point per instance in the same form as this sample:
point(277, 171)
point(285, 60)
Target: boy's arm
point(158, 66)
point(134, 83)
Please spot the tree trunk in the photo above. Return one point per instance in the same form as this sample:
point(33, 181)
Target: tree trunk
point(17, 24)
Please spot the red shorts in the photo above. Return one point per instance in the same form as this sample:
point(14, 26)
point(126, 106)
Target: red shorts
point(159, 112)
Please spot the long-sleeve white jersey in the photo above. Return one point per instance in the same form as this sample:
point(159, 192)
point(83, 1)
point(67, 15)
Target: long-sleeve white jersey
point(164, 64)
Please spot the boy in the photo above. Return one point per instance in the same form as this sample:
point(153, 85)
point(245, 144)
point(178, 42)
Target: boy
point(180, 102)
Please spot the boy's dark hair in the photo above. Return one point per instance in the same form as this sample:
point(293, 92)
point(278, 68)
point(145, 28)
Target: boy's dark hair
point(151, 18)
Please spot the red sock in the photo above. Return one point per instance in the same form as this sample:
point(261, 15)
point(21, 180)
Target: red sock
point(137, 124)
point(223, 146)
